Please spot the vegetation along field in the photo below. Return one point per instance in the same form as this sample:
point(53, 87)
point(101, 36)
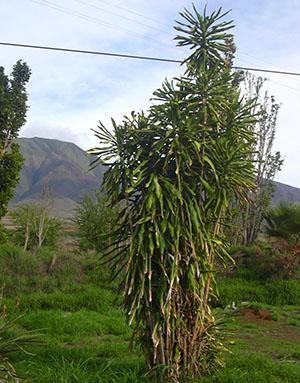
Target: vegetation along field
point(179, 269)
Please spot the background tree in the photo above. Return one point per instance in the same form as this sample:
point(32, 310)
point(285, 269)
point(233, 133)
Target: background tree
point(30, 233)
point(43, 222)
point(13, 108)
point(268, 163)
point(174, 170)
point(23, 218)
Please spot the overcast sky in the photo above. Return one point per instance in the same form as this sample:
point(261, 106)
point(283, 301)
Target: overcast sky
point(69, 93)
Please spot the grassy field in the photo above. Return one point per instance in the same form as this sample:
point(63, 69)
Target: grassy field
point(86, 338)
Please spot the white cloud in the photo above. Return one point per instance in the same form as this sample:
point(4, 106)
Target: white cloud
point(44, 129)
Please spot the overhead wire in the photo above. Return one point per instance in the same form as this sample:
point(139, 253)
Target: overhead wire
point(271, 80)
point(70, 50)
point(259, 59)
point(109, 3)
point(138, 57)
point(121, 16)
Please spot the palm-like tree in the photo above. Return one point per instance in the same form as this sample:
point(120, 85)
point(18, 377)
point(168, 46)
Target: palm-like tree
point(174, 170)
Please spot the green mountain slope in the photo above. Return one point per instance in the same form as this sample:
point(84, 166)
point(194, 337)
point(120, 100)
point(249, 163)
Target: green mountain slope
point(62, 166)
point(286, 193)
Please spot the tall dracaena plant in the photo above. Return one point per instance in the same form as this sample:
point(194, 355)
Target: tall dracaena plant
point(174, 170)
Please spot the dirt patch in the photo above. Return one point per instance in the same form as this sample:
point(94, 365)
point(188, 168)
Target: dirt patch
point(253, 315)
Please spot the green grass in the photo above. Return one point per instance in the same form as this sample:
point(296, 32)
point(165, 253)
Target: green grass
point(86, 338)
point(276, 293)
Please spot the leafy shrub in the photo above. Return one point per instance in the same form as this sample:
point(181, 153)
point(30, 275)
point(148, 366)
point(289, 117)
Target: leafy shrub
point(274, 263)
point(3, 234)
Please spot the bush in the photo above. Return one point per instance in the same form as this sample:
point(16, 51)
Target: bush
point(267, 261)
point(3, 234)
point(95, 220)
point(44, 270)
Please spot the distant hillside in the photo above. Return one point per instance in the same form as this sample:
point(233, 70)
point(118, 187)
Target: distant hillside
point(285, 192)
point(65, 168)
point(61, 165)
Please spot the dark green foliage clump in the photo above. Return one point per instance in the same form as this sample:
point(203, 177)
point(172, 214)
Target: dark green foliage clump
point(10, 165)
point(284, 221)
point(3, 234)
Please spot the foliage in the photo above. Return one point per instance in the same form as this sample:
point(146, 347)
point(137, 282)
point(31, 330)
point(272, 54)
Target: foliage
point(13, 98)
point(284, 221)
point(9, 343)
point(28, 218)
point(95, 220)
point(174, 170)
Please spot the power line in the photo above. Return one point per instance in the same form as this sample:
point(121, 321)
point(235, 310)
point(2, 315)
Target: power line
point(243, 62)
point(90, 52)
point(110, 4)
point(137, 57)
point(259, 59)
point(121, 16)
